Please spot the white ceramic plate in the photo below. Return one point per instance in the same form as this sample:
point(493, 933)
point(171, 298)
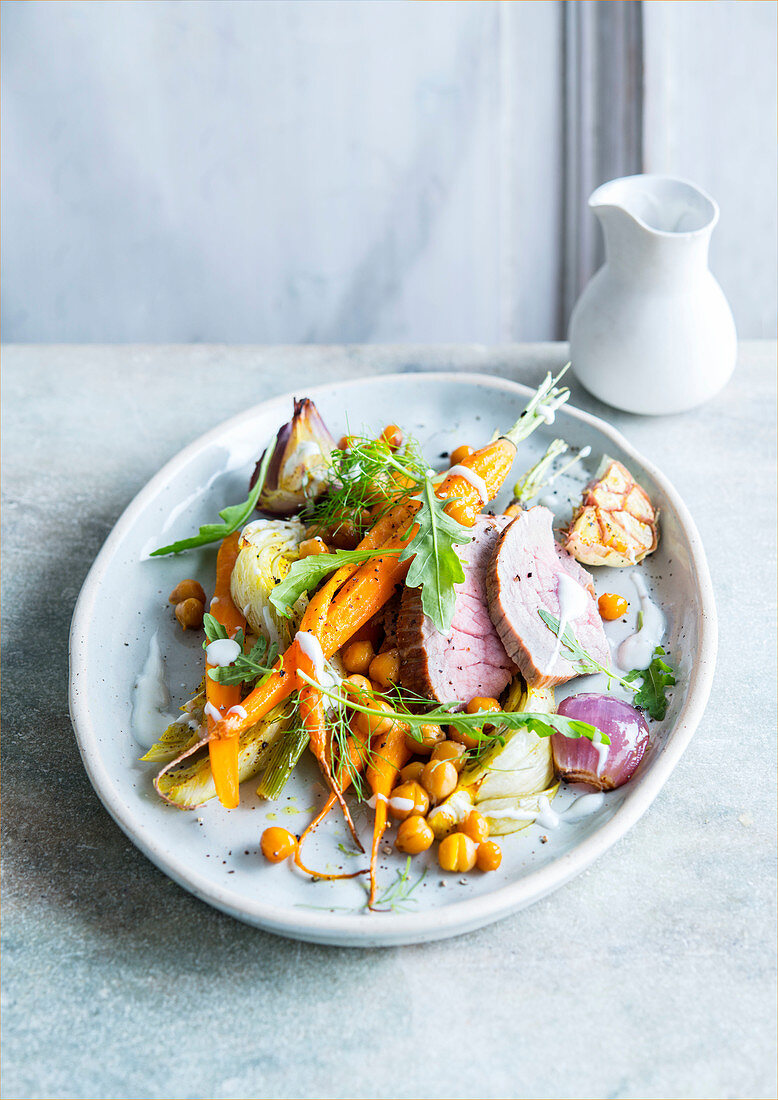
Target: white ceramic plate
point(213, 852)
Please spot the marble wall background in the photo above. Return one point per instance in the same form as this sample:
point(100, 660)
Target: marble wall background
point(338, 170)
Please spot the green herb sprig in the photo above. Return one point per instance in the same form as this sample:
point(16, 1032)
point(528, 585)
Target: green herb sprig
point(656, 679)
point(545, 725)
point(247, 667)
point(582, 662)
point(234, 517)
point(398, 897)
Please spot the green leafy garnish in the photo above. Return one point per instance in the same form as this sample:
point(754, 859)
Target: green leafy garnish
point(398, 896)
point(544, 725)
point(306, 573)
point(659, 676)
point(234, 517)
point(247, 667)
point(436, 567)
point(582, 661)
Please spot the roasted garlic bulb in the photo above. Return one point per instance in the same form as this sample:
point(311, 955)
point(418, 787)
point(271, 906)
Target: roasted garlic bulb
point(616, 523)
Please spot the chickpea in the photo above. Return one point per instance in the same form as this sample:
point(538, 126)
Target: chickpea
point(424, 739)
point(457, 852)
point(414, 835)
point(357, 685)
point(476, 827)
point(459, 453)
point(345, 442)
point(411, 773)
point(277, 844)
point(469, 739)
point(393, 436)
point(612, 606)
point(357, 656)
point(488, 857)
point(370, 725)
point(308, 548)
point(187, 590)
point(385, 668)
point(451, 751)
point(439, 779)
point(412, 793)
point(190, 614)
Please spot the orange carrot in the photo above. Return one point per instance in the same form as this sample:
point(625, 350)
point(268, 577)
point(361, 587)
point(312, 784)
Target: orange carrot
point(387, 757)
point(492, 463)
point(357, 754)
point(312, 713)
point(223, 747)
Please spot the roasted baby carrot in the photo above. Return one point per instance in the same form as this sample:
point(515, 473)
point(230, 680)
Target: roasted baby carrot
point(223, 746)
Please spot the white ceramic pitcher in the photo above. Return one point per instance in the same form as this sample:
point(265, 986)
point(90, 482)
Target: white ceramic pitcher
point(652, 332)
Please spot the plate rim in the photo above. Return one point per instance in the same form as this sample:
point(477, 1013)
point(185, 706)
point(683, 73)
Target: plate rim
point(460, 916)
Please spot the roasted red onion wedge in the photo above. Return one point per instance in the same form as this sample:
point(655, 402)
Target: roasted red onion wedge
point(602, 766)
point(298, 469)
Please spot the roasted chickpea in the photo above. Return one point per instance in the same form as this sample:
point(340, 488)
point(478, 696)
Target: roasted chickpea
point(476, 827)
point(612, 606)
point(408, 798)
point(469, 739)
point(190, 614)
point(277, 844)
point(424, 739)
point(357, 685)
point(457, 852)
point(393, 436)
point(310, 547)
point(488, 857)
point(385, 668)
point(459, 453)
point(451, 751)
point(411, 773)
point(345, 442)
point(357, 656)
point(370, 725)
point(414, 835)
point(439, 779)
point(187, 590)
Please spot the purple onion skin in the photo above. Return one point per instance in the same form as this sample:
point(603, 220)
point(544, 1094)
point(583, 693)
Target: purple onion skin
point(576, 760)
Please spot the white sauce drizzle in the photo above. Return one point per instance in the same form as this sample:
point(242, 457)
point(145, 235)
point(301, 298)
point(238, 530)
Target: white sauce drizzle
point(585, 451)
point(573, 602)
point(637, 650)
point(213, 712)
point(474, 479)
point(547, 413)
point(238, 710)
point(375, 799)
point(602, 750)
point(151, 699)
point(311, 647)
point(548, 818)
point(222, 652)
point(401, 805)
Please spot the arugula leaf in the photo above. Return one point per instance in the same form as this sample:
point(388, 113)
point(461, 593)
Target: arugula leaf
point(436, 567)
point(214, 631)
point(234, 516)
point(306, 573)
point(659, 676)
point(584, 663)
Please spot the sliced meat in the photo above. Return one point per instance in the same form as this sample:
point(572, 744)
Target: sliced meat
point(522, 578)
point(471, 660)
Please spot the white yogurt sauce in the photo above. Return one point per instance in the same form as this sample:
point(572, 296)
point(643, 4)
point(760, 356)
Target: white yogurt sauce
point(151, 699)
point(222, 652)
point(375, 799)
point(401, 805)
point(474, 479)
point(637, 650)
point(573, 603)
point(601, 748)
point(238, 710)
point(213, 712)
point(547, 413)
point(311, 647)
point(548, 818)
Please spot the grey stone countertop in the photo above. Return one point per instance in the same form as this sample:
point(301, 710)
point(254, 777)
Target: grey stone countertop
point(651, 975)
